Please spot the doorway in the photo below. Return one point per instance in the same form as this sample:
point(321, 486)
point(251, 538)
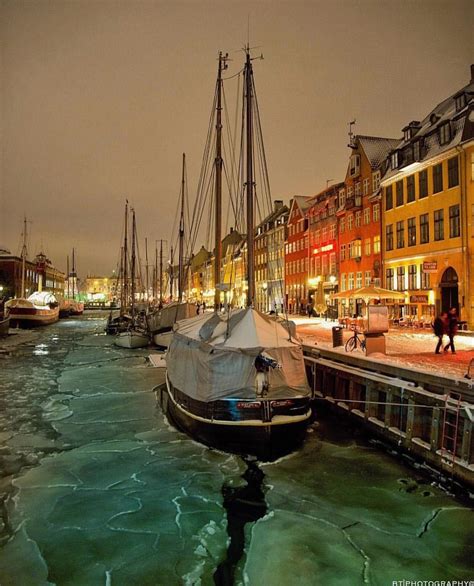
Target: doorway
point(449, 290)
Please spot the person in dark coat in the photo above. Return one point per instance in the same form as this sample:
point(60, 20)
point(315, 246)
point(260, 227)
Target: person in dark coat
point(440, 326)
point(452, 329)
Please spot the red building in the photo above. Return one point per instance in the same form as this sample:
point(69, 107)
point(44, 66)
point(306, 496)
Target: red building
point(296, 255)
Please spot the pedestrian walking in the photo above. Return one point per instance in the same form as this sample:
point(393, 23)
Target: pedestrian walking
point(452, 329)
point(440, 327)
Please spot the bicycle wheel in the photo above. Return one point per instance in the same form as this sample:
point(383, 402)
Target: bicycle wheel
point(350, 344)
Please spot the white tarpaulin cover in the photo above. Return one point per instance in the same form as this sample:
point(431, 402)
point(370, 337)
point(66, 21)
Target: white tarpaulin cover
point(213, 357)
point(169, 314)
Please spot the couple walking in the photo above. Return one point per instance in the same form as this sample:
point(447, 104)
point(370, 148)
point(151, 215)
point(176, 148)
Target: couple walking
point(446, 323)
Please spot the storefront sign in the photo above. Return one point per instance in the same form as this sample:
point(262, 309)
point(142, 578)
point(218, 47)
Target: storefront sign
point(325, 248)
point(418, 298)
point(430, 266)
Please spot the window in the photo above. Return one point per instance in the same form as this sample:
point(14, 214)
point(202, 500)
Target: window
point(389, 278)
point(367, 278)
point(412, 277)
point(376, 212)
point(424, 229)
point(410, 188)
point(366, 215)
point(395, 160)
point(389, 237)
point(332, 263)
point(325, 265)
point(325, 234)
point(358, 217)
point(439, 225)
point(438, 178)
point(454, 221)
point(351, 281)
point(357, 188)
point(423, 183)
point(343, 252)
point(400, 278)
point(342, 198)
point(425, 279)
point(444, 133)
point(388, 198)
point(350, 191)
point(400, 234)
point(356, 249)
point(366, 186)
point(350, 221)
point(367, 246)
point(332, 231)
point(355, 165)
point(411, 226)
point(453, 172)
point(317, 236)
point(343, 281)
point(359, 279)
point(375, 180)
point(342, 225)
point(399, 191)
point(460, 102)
point(376, 244)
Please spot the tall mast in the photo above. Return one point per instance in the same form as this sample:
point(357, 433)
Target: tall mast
point(218, 196)
point(171, 274)
point(122, 283)
point(23, 260)
point(248, 73)
point(146, 272)
point(68, 277)
point(73, 273)
point(125, 259)
point(161, 273)
point(134, 232)
point(181, 237)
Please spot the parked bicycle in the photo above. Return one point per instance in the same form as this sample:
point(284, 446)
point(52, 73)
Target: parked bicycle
point(356, 340)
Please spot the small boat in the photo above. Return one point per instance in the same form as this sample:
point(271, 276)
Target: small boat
point(136, 333)
point(132, 338)
point(39, 309)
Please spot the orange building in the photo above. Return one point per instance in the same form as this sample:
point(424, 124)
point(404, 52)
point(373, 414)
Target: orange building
point(359, 217)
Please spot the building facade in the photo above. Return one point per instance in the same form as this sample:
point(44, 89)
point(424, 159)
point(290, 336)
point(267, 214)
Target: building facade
point(429, 211)
point(296, 255)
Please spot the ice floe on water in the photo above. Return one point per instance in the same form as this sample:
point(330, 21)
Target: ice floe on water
point(99, 488)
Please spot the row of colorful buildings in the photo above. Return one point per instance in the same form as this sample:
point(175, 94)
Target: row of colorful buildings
point(401, 218)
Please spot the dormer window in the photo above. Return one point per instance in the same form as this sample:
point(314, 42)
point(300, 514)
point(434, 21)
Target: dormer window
point(445, 133)
point(395, 160)
point(354, 169)
point(460, 101)
point(434, 118)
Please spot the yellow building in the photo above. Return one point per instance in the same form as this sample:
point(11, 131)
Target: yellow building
point(427, 226)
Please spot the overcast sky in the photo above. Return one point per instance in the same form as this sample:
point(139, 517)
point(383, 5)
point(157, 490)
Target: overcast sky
point(100, 98)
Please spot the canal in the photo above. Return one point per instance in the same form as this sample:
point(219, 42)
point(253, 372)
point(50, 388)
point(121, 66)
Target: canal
point(98, 489)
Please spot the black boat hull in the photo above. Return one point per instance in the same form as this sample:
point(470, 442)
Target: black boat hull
point(266, 440)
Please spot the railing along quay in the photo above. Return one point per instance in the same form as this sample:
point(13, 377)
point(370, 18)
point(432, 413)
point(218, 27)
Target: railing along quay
point(427, 415)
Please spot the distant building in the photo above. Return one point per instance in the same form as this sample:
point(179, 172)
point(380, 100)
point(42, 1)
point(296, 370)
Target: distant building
point(296, 255)
point(101, 289)
point(11, 268)
point(428, 231)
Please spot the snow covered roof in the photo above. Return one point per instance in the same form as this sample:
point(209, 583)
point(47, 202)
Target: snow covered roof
point(376, 148)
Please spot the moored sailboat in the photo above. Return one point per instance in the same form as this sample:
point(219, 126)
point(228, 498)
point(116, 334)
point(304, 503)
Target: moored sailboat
point(237, 381)
point(41, 307)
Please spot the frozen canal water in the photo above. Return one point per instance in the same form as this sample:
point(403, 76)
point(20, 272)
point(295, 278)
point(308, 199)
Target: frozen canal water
point(98, 489)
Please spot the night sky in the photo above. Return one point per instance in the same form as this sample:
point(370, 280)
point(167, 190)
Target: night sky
point(99, 99)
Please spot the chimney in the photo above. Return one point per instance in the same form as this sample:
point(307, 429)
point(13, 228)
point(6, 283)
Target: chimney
point(277, 204)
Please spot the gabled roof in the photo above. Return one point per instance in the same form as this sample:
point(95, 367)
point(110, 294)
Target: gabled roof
point(303, 202)
point(376, 148)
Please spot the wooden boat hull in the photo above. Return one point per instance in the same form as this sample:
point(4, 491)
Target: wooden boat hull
point(131, 339)
point(265, 439)
point(26, 317)
point(4, 326)
point(163, 339)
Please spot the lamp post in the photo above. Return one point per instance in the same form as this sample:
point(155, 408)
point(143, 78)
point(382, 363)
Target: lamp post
point(265, 287)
